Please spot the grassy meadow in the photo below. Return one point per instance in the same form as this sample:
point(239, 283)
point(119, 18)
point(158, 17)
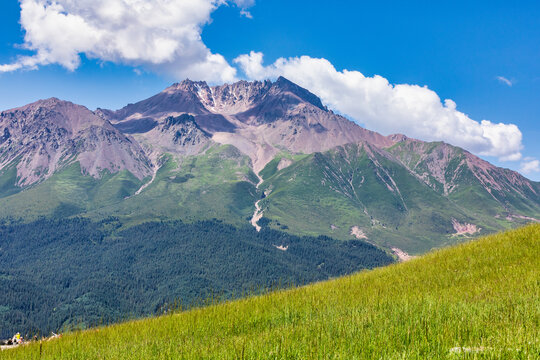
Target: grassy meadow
point(479, 300)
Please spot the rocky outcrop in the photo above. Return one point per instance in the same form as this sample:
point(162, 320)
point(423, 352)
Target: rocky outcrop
point(464, 229)
point(177, 134)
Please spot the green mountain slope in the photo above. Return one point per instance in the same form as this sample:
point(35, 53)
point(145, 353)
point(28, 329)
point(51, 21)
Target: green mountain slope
point(475, 300)
point(473, 183)
point(414, 196)
point(218, 183)
point(68, 192)
point(360, 190)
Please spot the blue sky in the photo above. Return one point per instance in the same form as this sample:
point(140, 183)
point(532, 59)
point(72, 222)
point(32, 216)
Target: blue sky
point(460, 50)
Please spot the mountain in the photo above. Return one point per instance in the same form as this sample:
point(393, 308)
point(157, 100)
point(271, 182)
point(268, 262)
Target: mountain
point(362, 190)
point(258, 118)
point(479, 300)
point(459, 175)
point(269, 153)
point(106, 214)
point(41, 138)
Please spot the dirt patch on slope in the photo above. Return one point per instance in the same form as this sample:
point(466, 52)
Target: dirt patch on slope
point(402, 255)
point(358, 233)
point(465, 228)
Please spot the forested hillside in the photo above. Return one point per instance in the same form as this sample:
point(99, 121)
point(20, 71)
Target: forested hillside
point(58, 274)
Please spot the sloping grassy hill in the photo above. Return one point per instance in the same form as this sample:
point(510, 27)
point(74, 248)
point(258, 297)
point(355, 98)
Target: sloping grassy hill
point(476, 300)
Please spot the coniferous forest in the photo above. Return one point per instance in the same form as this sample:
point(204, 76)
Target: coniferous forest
point(62, 274)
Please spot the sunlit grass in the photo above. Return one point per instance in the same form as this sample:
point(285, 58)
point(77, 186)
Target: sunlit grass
point(482, 297)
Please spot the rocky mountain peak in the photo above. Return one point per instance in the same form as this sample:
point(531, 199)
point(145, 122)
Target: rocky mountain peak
point(49, 103)
point(232, 98)
point(398, 137)
point(244, 95)
point(52, 113)
point(198, 98)
point(44, 136)
point(284, 85)
point(258, 117)
point(52, 103)
point(186, 85)
point(185, 131)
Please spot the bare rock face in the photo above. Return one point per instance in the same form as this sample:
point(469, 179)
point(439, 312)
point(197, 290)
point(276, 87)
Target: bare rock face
point(259, 118)
point(177, 134)
point(42, 137)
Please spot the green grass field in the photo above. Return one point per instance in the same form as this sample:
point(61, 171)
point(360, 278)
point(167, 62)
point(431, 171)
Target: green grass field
point(479, 300)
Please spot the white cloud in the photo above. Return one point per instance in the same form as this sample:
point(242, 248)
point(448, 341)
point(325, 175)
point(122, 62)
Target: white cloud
point(244, 3)
point(530, 165)
point(161, 35)
point(10, 67)
point(246, 13)
point(505, 81)
point(165, 36)
point(410, 109)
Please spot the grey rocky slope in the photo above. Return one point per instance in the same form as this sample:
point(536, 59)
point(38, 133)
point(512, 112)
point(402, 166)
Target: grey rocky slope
point(45, 136)
point(259, 118)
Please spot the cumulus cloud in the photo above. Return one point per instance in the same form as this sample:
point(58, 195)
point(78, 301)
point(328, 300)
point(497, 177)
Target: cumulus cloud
point(530, 165)
point(505, 81)
point(410, 109)
point(160, 35)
